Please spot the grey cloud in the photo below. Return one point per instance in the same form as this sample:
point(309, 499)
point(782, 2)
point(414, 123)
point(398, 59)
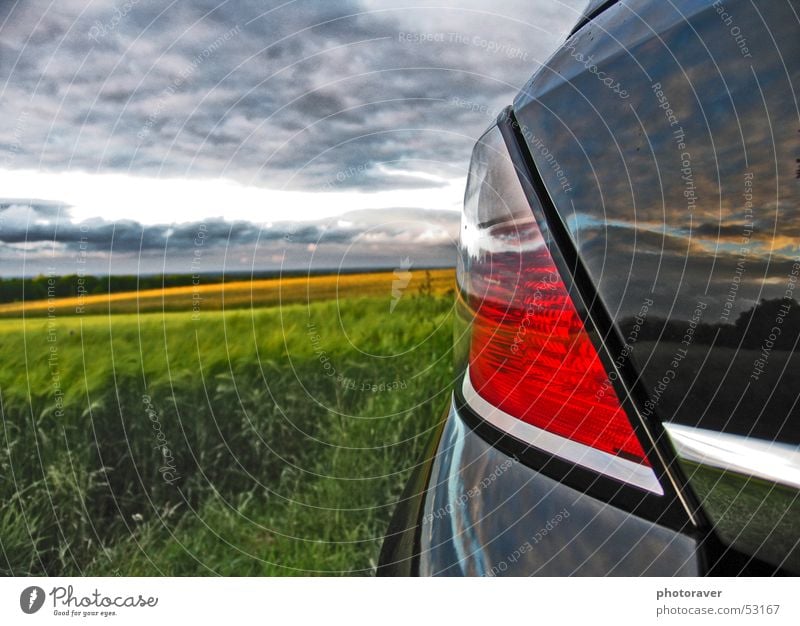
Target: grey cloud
point(364, 238)
point(38, 209)
point(280, 96)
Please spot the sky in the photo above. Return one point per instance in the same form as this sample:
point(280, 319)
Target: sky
point(294, 134)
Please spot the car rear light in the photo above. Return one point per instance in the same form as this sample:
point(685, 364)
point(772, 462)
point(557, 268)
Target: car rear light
point(532, 369)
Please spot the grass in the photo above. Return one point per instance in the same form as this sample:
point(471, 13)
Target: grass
point(259, 441)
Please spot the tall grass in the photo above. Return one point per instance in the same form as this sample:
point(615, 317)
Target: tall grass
point(249, 442)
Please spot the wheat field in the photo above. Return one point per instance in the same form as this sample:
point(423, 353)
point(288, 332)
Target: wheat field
point(240, 294)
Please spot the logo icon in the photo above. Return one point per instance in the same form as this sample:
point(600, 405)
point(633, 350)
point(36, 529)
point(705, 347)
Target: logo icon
point(402, 276)
point(31, 599)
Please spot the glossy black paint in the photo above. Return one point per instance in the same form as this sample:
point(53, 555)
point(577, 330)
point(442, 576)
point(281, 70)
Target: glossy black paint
point(640, 235)
point(590, 11)
point(668, 137)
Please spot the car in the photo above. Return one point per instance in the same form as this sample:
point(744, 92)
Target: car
point(627, 391)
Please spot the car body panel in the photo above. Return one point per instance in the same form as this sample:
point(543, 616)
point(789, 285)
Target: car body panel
point(488, 514)
point(639, 235)
point(677, 129)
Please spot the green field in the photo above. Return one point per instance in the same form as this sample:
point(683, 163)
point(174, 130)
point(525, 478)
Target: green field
point(265, 441)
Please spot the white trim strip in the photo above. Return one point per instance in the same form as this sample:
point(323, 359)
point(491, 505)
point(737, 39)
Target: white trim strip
point(616, 467)
point(760, 458)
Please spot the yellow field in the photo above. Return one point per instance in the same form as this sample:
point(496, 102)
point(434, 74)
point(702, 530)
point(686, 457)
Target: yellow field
point(240, 294)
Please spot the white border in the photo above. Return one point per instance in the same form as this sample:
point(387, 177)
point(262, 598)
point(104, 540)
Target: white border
point(400, 601)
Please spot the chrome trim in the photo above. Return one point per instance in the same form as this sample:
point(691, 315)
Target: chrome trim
point(618, 468)
point(759, 458)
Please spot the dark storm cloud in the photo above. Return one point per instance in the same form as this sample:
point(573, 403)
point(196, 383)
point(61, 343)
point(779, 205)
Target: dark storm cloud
point(130, 236)
point(44, 209)
point(292, 94)
point(31, 243)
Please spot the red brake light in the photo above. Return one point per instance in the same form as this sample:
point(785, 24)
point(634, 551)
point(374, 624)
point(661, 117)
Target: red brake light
point(532, 368)
point(531, 356)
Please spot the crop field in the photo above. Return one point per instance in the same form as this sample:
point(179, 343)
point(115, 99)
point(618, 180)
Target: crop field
point(204, 296)
point(166, 437)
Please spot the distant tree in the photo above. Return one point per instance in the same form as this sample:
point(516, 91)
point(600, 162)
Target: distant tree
point(425, 289)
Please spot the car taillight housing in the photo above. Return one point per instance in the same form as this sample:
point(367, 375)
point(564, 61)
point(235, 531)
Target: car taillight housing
point(531, 368)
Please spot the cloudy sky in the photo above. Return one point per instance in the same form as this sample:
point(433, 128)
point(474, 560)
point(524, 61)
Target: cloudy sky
point(296, 134)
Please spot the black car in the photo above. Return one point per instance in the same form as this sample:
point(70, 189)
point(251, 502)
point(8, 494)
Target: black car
point(628, 390)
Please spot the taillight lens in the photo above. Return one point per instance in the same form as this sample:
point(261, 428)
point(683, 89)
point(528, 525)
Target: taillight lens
point(532, 368)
